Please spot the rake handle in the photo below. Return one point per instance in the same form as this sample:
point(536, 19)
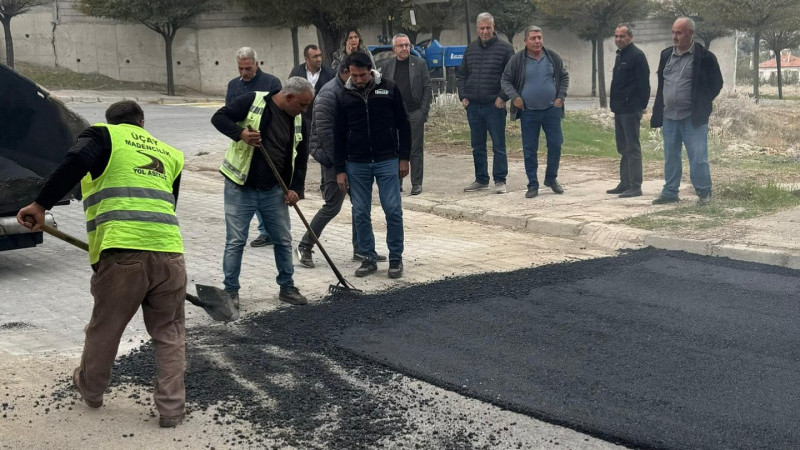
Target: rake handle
point(311, 233)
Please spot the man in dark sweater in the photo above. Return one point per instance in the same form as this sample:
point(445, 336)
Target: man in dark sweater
point(372, 139)
point(630, 92)
point(480, 93)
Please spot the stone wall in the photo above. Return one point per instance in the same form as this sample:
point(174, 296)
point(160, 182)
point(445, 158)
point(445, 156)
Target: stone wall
point(203, 54)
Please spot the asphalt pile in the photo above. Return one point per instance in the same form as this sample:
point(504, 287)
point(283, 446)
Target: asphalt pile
point(650, 349)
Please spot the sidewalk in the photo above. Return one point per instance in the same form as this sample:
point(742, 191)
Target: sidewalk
point(585, 212)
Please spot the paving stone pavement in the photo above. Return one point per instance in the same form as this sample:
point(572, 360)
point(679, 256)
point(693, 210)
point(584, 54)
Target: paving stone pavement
point(46, 287)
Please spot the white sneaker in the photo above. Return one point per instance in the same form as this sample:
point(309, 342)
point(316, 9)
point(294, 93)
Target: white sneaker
point(500, 188)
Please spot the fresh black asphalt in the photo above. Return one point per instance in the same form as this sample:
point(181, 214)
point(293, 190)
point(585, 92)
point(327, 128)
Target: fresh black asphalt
point(650, 349)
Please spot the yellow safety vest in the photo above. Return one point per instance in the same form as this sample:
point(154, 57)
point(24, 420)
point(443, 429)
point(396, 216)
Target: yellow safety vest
point(131, 205)
point(236, 165)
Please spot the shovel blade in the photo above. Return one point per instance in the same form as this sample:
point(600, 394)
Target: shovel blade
point(216, 302)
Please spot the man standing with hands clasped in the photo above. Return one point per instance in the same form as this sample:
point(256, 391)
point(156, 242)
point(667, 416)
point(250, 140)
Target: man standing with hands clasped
point(536, 82)
point(630, 92)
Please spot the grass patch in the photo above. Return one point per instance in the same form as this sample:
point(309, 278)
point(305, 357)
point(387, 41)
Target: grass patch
point(736, 201)
point(54, 78)
point(583, 137)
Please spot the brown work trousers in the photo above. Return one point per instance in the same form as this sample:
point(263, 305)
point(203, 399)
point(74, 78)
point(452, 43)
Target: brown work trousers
point(122, 281)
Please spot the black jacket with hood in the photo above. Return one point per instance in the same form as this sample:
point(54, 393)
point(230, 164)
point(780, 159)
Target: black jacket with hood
point(372, 125)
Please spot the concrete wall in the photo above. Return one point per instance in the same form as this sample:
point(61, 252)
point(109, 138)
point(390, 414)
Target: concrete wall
point(203, 54)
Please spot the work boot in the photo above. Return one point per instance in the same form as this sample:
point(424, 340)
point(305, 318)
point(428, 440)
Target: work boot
point(358, 256)
point(618, 190)
point(367, 267)
point(170, 421)
point(557, 188)
point(292, 296)
point(661, 200)
point(235, 297)
point(416, 189)
point(500, 187)
point(475, 186)
point(704, 199)
point(531, 193)
point(632, 192)
point(395, 268)
point(76, 381)
point(261, 241)
point(304, 256)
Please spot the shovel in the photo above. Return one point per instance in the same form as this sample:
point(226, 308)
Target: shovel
point(215, 301)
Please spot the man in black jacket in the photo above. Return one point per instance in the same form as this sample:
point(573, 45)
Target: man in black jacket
point(630, 92)
point(480, 93)
point(688, 81)
point(372, 141)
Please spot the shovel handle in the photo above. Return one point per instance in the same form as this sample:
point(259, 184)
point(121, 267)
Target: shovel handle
point(65, 237)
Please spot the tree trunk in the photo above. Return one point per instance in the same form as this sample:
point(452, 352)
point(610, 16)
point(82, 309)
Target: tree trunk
point(168, 37)
point(295, 46)
point(780, 81)
point(9, 42)
point(436, 33)
point(601, 72)
point(594, 67)
point(756, 57)
point(510, 38)
point(329, 40)
point(469, 22)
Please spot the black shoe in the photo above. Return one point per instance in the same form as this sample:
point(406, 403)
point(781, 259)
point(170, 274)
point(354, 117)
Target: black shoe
point(367, 267)
point(357, 256)
point(416, 189)
point(618, 190)
point(531, 193)
point(261, 241)
point(395, 269)
point(555, 187)
point(304, 256)
point(292, 296)
point(704, 200)
point(661, 200)
point(632, 192)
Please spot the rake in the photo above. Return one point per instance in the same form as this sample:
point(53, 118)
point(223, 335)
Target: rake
point(343, 286)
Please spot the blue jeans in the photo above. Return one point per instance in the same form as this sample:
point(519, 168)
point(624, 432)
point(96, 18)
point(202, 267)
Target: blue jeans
point(482, 119)
point(677, 132)
point(387, 176)
point(531, 123)
point(241, 203)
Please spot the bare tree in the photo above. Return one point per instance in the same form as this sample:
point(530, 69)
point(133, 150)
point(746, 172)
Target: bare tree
point(753, 16)
point(783, 35)
point(8, 10)
point(511, 16)
point(709, 27)
point(165, 17)
point(597, 19)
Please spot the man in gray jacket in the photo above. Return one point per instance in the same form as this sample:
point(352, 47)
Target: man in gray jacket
point(410, 73)
point(536, 82)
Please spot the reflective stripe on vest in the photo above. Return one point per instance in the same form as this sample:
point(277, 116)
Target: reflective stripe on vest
point(239, 156)
point(131, 204)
